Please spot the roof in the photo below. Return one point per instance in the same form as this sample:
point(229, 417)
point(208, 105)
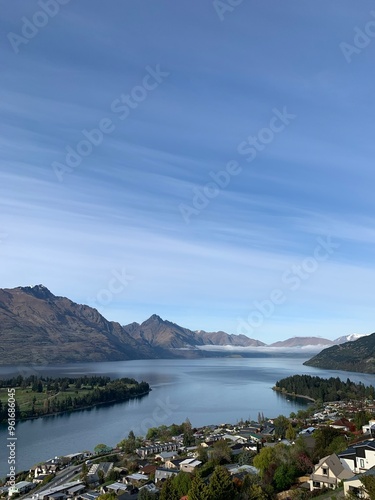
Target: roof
point(369, 472)
point(334, 464)
point(117, 486)
point(23, 484)
point(191, 461)
point(137, 477)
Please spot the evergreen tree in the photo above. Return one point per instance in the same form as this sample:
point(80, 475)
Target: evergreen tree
point(198, 489)
point(221, 486)
point(182, 483)
point(169, 491)
point(188, 439)
point(291, 433)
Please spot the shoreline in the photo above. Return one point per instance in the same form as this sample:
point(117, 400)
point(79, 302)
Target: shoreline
point(114, 401)
point(293, 395)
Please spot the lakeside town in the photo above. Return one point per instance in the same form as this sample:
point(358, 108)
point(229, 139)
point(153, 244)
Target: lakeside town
point(328, 446)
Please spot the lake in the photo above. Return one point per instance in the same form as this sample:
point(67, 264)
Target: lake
point(207, 391)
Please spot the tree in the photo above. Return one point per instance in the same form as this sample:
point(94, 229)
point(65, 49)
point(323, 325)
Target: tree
point(144, 494)
point(369, 485)
point(101, 448)
point(169, 491)
point(107, 496)
point(182, 483)
point(284, 476)
point(290, 433)
point(101, 476)
point(245, 457)
point(361, 418)
point(202, 454)
point(198, 489)
point(221, 486)
point(188, 439)
point(263, 460)
point(221, 452)
point(323, 439)
point(281, 424)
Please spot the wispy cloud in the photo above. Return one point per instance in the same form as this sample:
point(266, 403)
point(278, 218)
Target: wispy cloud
point(120, 209)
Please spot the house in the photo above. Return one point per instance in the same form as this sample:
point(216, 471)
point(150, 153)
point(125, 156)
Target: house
point(20, 488)
point(61, 490)
point(135, 479)
point(354, 485)
point(150, 487)
point(328, 473)
point(359, 457)
point(173, 464)
point(145, 451)
point(308, 431)
point(343, 424)
point(189, 465)
point(166, 455)
point(74, 491)
point(369, 428)
point(148, 469)
point(97, 470)
point(163, 473)
point(115, 487)
point(89, 495)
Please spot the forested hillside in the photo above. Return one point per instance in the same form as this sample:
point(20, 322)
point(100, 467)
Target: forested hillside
point(331, 389)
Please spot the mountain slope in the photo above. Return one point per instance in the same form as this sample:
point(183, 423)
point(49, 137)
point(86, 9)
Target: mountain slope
point(356, 356)
point(38, 327)
point(156, 332)
point(223, 338)
point(349, 338)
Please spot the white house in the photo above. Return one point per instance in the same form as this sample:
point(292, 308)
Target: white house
point(359, 457)
point(328, 473)
point(355, 486)
point(369, 428)
point(189, 464)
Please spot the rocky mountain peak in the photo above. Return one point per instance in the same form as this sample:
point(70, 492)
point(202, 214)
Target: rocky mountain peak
point(38, 291)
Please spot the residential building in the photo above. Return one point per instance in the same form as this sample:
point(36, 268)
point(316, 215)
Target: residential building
point(328, 473)
point(20, 488)
point(359, 457)
point(190, 464)
point(355, 486)
point(164, 473)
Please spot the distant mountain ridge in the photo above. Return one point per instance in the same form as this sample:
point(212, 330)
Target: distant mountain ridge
point(303, 342)
point(37, 327)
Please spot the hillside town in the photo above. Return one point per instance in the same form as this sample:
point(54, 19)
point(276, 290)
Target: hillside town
point(323, 448)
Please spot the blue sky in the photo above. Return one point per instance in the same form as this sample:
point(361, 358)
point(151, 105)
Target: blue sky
point(125, 231)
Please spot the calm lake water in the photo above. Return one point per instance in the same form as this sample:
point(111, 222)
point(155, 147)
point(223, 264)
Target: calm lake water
point(207, 391)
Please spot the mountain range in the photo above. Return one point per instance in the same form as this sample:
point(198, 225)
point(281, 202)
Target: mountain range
point(37, 327)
